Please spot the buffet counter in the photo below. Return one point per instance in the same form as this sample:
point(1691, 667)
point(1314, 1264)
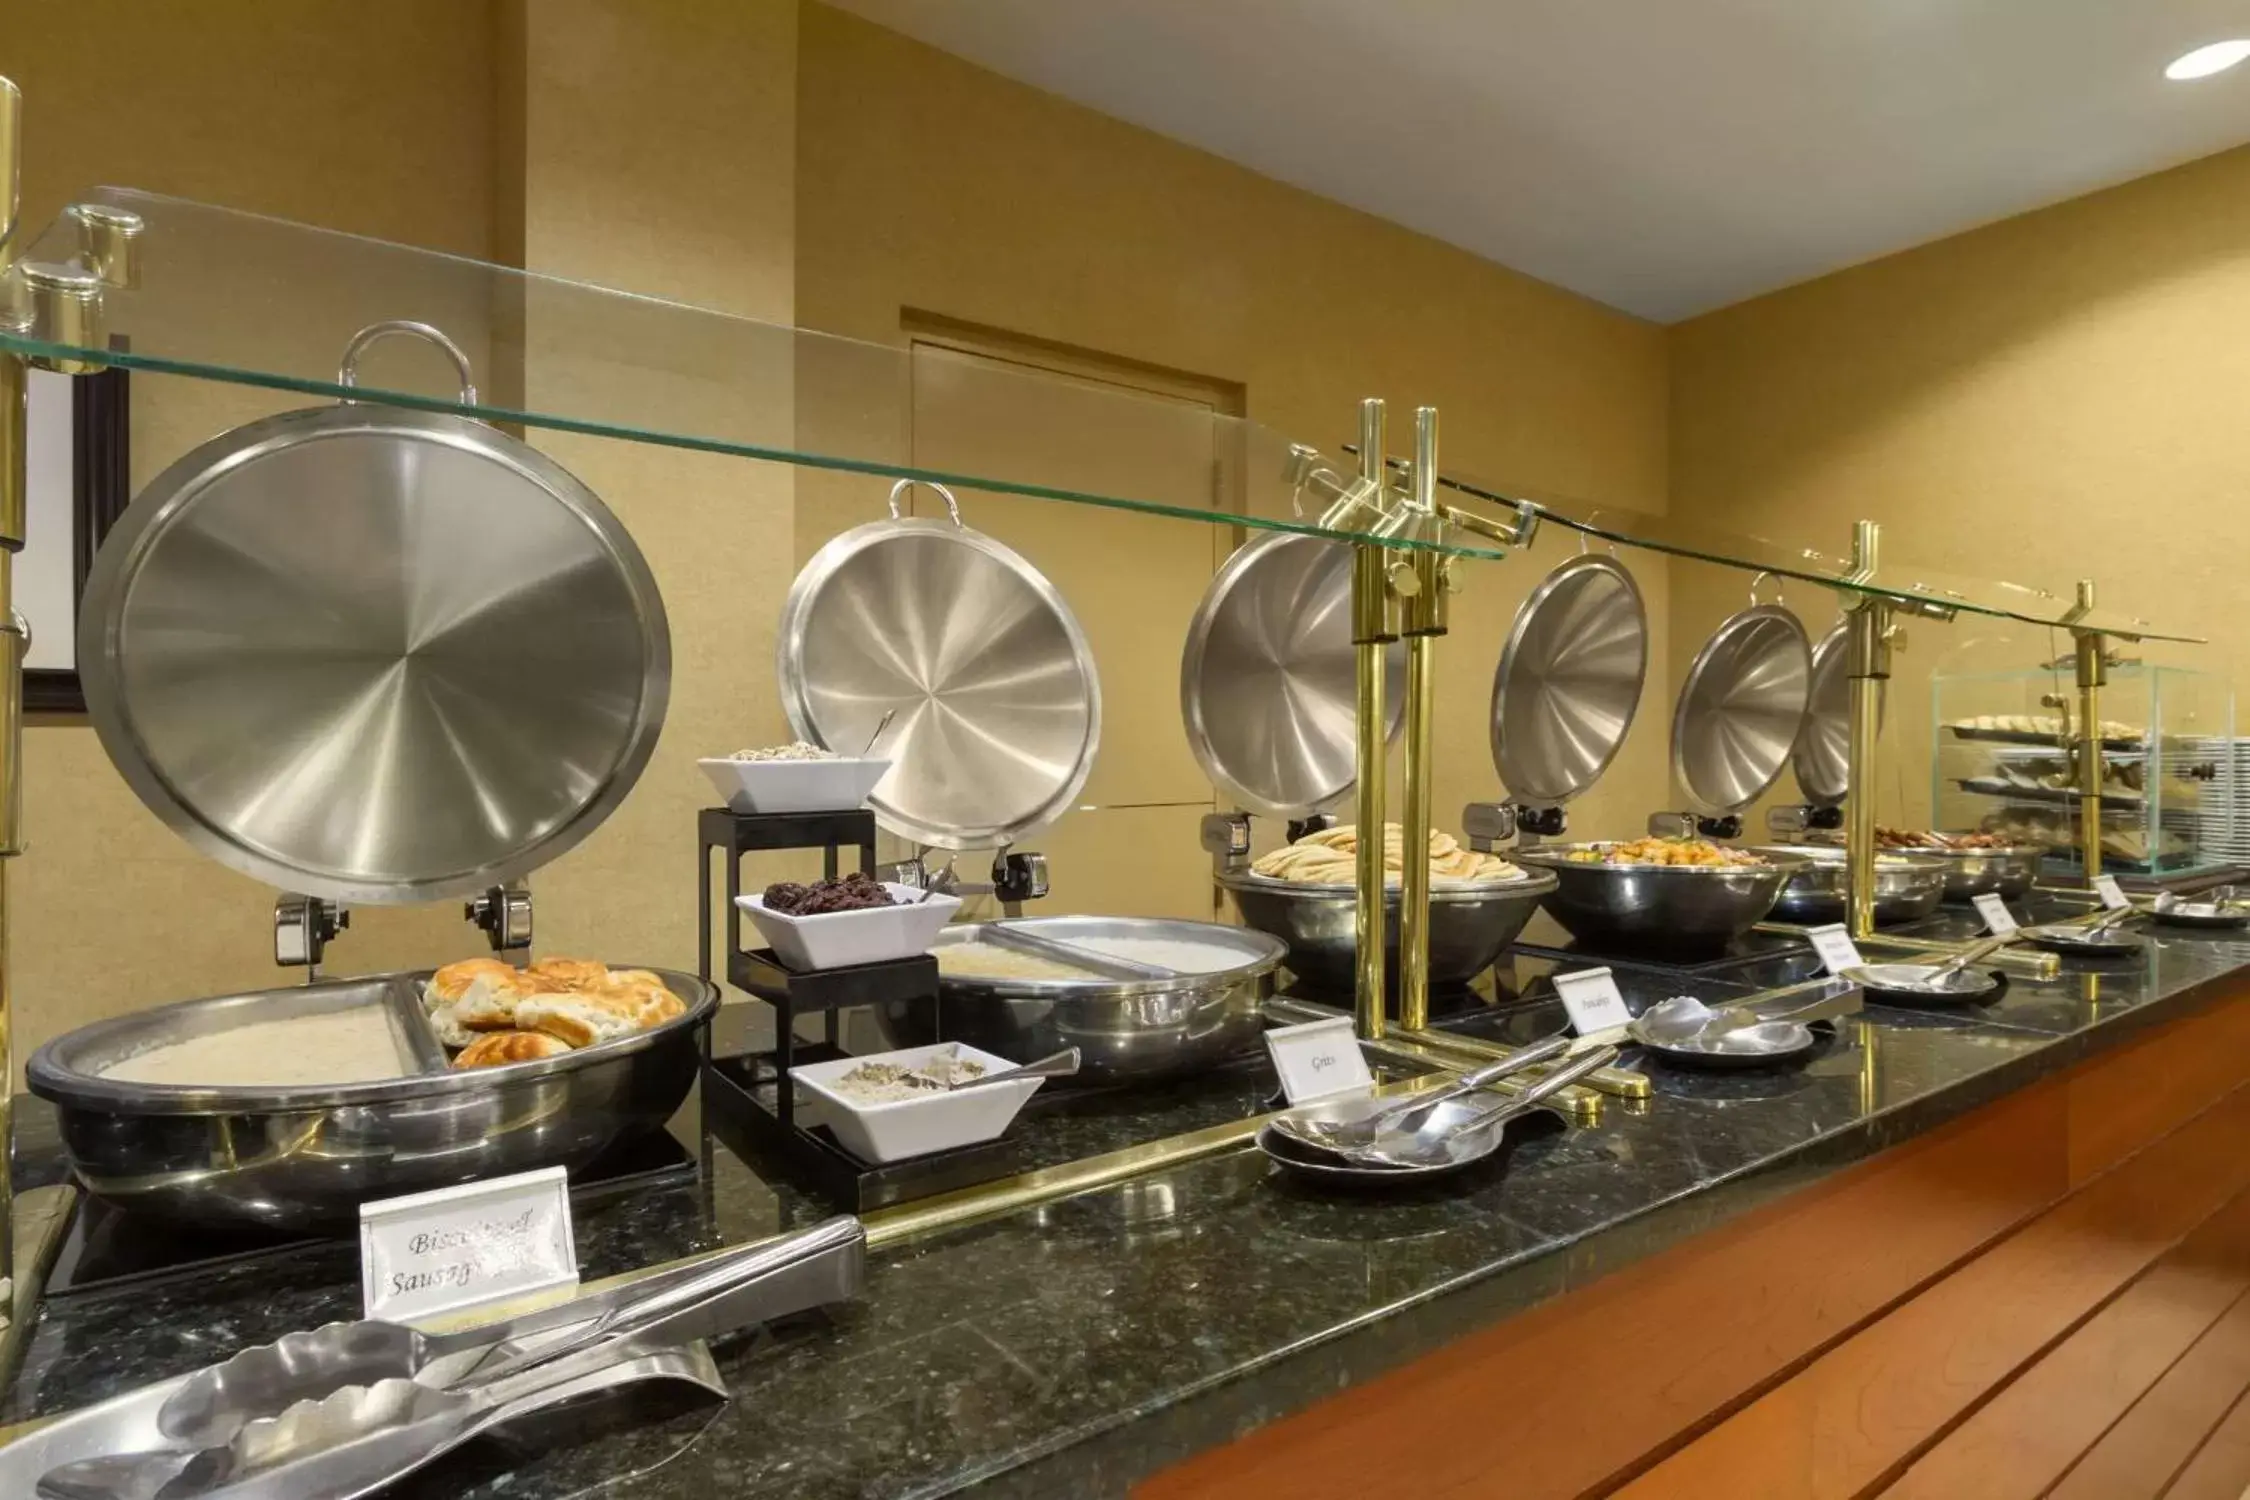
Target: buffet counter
point(1087, 1346)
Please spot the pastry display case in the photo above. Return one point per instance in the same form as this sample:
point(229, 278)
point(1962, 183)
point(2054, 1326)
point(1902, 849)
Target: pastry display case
point(2006, 760)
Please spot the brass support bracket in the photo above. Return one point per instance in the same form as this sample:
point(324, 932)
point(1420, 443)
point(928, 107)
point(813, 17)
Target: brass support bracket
point(66, 308)
point(1519, 534)
point(109, 242)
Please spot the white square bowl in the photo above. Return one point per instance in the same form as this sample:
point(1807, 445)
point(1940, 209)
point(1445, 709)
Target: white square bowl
point(839, 939)
point(794, 786)
point(914, 1127)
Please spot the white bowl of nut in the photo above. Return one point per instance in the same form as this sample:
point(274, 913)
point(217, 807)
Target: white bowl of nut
point(891, 1105)
point(853, 919)
point(797, 778)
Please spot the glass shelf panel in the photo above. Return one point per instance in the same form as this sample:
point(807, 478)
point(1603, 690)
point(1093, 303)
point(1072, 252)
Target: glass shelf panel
point(1907, 583)
point(236, 297)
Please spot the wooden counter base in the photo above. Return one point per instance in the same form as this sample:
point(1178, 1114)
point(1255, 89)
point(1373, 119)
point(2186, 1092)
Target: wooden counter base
point(2052, 1291)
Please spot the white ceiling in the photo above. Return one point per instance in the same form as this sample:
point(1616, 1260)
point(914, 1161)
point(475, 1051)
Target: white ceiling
point(1662, 156)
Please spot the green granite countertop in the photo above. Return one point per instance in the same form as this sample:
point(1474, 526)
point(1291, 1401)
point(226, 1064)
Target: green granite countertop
point(1078, 1347)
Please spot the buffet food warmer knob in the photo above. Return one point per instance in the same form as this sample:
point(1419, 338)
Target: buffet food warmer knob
point(1688, 825)
point(1226, 838)
point(503, 913)
point(1017, 878)
point(1489, 824)
point(303, 927)
point(1796, 818)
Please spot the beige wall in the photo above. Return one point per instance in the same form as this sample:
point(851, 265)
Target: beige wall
point(2051, 397)
point(709, 151)
point(658, 155)
point(1974, 395)
point(928, 185)
point(376, 119)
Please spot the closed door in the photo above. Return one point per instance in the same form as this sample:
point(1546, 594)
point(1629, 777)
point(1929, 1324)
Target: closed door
point(1133, 580)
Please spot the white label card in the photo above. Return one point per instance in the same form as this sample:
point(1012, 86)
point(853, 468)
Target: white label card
point(2113, 896)
point(1836, 949)
point(1319, 1060)
point(1591, 997)
point(432, 1253)
point(1997, 919)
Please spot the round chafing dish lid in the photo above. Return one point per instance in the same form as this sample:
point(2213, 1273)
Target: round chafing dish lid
point(1569, 680)
point(374, 655)
point(1822, 760)
point(998, 705)
point(1740, 708)
point(1269, 679)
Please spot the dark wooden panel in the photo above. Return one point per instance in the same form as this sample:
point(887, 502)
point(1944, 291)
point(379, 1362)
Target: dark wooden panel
point(2029, 1435)
point(1858, 1414)
point(2136, 1459)
point(1566, 1397)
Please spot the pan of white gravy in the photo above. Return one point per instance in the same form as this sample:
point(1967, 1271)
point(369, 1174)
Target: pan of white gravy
point(359, 1045)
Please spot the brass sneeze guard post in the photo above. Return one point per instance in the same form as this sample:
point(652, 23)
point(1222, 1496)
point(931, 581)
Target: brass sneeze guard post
point(1870, 661)
point(1421, 583)
point(2090, 648)
point(1372, 633)
point(15, 421)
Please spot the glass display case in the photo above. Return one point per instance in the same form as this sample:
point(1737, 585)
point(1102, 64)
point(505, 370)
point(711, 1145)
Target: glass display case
point(2003, 761)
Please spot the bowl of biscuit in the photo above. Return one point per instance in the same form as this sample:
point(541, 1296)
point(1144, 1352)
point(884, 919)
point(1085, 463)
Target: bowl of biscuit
point(1305, 893)
point(488, 1013)
point(285, 1109)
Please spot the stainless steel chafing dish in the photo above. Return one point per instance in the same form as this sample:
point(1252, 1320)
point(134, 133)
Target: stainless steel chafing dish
point(1659, 906)
point(1471, 924)
point(1970, 873)
point(2007, 870)
point(1124, 1029)
point(304, 1158)
point(1907, 886)
point(472, 669)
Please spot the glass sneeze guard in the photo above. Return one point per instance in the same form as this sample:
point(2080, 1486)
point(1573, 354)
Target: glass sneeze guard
point(251, 300)
point(1907, 584)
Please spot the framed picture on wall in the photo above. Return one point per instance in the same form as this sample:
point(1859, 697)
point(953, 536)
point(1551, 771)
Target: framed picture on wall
point(79, 481)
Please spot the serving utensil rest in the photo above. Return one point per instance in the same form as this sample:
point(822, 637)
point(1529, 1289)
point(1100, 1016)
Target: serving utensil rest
point(748, 1098)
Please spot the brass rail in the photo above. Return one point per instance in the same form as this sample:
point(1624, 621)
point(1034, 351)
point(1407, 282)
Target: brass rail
point(15, 421)
point(1372, 633)
point(2090, 648)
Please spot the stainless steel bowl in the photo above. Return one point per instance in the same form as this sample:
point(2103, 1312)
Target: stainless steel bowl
point(1660, 907)
point(1470, 925)
point(1970, 873)
point(304, 1159)
point(1124, 1030)
point(1907, 886)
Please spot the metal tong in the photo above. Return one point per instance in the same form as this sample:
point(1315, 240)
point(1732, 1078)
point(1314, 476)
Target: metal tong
point(1345, 1135)
point(210, 1410)
point(1669, 1023)
point(1981, 949)
point(362, 1438)
point(1104, 965)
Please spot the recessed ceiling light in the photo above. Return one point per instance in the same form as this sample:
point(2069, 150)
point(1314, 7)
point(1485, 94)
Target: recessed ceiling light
point(2204, 61)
